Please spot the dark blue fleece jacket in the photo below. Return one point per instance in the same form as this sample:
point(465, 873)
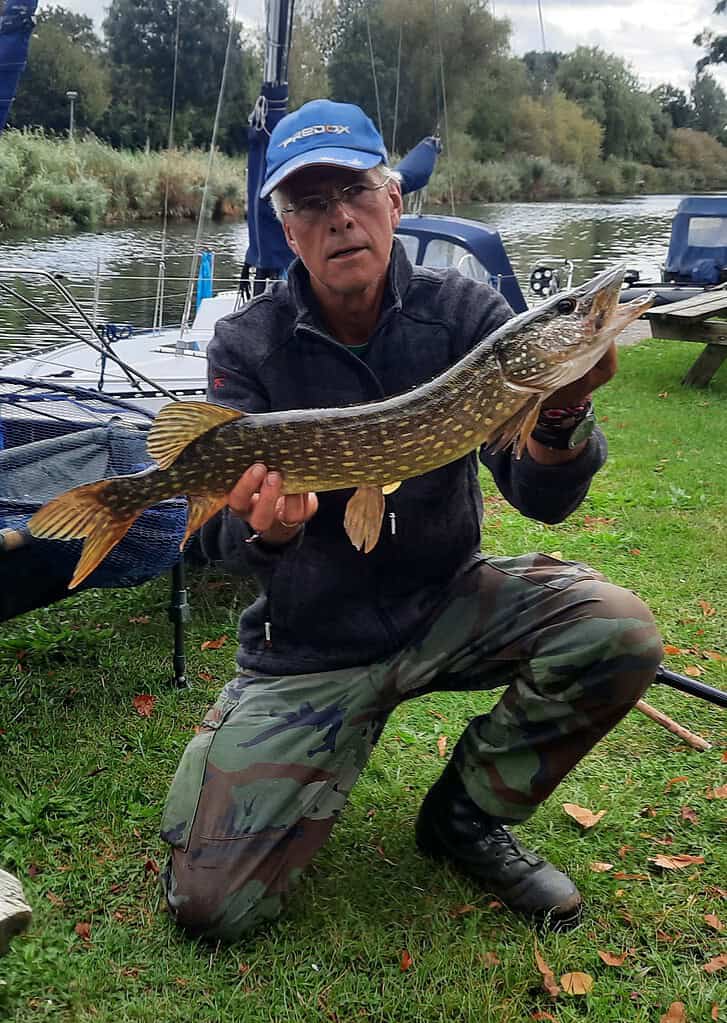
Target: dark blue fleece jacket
point(322, 604)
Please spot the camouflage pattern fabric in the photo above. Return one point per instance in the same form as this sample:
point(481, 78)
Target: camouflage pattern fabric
point(259, 789)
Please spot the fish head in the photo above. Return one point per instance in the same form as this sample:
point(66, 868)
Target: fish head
point(561, 339)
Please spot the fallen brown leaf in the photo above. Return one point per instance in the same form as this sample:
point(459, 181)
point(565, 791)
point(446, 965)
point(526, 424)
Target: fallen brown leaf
point(623, 849)
point(586, 818)
point(717, 892)
point(687, 814)
point(663, 936)
point(693, 671)
point(442, 745)
point(714, 1014)
point(621, 875)
point(83, 931)
point(601, 868)
point(141, 620)
point(707, 610)
point(714, 921)
point(669, 649)
point(406, 961)
point(635, 550)
point(495, 904)
point(724, 757)
point(663, 841)
point(144, 704)
point(718, 963)
point(549, 981)
point(576, 983)
point(55, 900)
point(678, 862)
point(675, 1014)
point(206, 676)
point(460, 910)
point(720, 793)
point(712, 655)
point(214, 644)
point(540, 1014)
point(675, 781)
point(610, 959)
point(489, 958)
point(151, 867)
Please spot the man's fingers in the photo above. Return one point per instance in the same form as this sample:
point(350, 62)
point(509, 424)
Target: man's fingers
point(296, 508)
point(240, 498)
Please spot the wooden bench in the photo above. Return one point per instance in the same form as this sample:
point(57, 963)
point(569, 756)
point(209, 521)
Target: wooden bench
point(688, 320)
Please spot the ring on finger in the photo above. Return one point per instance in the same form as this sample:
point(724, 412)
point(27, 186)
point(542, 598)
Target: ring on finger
point(289, 525)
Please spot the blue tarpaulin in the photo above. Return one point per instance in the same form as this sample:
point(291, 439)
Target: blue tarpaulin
point(16, 26)
point(698, 246)
point(417, 166)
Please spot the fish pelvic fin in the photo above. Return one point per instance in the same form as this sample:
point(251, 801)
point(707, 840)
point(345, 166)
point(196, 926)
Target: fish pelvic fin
point(518, 427)
point(391, 488)
point(201, 508)
point(80, 513)
point(363, 517)
point(181, 422)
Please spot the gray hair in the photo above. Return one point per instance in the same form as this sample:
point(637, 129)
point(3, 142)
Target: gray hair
point(279, 197)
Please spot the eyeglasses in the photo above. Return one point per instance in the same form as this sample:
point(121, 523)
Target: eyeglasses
point(311, 208)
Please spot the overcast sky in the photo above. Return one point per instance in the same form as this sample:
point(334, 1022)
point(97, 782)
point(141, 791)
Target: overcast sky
point(654, 36)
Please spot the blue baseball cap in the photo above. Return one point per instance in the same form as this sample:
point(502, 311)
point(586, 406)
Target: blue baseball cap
point(322, 132)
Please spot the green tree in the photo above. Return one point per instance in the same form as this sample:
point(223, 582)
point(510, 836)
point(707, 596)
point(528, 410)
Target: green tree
point(541, 67)
point(58, 64)
point(715, 45)
point(491, 121)
point(141, 43)
point(710, 106)
point(556, 127)
point(76, 27)
point(675, 105)
point(609, 92)
point(313, 24)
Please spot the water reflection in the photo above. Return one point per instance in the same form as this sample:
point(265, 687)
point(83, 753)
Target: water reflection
point(591, 234)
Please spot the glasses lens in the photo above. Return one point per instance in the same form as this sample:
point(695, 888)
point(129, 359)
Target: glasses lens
point(357, 196)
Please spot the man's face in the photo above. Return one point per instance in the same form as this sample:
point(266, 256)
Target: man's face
point(345, 248)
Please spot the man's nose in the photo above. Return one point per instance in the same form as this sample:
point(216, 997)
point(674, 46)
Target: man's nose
point(338, 215)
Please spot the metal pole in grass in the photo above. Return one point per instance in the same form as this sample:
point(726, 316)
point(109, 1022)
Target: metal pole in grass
point(71, 96)
point(690, 686)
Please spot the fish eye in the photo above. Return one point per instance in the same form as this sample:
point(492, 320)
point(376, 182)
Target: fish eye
point(566, 306)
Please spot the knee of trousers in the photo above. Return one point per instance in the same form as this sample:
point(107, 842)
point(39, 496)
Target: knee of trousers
point(204, 906)
point(622, 634)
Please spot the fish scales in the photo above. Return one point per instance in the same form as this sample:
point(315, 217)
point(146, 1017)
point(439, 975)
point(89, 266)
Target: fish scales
point(491, 396)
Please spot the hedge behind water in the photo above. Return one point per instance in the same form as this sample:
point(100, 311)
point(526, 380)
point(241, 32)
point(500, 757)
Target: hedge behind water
point(51, 182)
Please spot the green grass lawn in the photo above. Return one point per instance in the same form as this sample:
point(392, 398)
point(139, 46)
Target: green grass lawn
point(84, 776)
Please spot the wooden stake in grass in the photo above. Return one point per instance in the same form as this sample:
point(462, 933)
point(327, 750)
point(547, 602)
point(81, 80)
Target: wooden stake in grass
point(695, 741)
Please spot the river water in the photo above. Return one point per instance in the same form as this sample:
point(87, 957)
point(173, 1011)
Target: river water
point(593, 234)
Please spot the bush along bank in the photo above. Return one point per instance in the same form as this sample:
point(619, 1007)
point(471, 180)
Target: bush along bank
point(54, 183)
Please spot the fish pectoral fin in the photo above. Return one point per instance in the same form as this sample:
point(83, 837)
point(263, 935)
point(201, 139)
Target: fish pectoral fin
point(81, 513)
point(363, 518)
point(200, 509)
point(518, 427)
point(390, 488)
point(181, 422)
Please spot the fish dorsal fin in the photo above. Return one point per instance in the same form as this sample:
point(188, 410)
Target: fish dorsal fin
point(181, 422)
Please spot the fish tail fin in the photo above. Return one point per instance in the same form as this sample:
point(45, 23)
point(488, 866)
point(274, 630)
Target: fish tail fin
point(82, 513)
point(517, 428)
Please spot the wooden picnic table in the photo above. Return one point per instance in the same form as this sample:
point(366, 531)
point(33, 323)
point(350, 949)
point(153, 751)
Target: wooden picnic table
point(688, 320)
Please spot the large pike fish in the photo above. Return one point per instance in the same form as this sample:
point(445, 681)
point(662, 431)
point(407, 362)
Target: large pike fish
point(491, 396)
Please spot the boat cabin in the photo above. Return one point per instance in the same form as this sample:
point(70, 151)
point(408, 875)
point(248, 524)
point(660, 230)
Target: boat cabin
point(698, 247)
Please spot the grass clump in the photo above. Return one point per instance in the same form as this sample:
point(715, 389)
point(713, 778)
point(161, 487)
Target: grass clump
point(84, 777)
point(50, 182)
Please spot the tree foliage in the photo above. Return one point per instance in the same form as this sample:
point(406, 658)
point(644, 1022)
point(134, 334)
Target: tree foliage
point(715, 45)
point(710, 106)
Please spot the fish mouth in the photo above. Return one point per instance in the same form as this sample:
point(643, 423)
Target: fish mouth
point(601, 297)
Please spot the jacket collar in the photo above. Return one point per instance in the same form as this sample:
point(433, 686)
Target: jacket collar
point(398, 276)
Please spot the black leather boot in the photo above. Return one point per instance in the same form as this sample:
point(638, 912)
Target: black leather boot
point(451, 826)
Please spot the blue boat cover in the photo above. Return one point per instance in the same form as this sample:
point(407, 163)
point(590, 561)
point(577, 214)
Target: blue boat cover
point(698, 246)
point(16, 27)
point(204, 277)
point(417, 166)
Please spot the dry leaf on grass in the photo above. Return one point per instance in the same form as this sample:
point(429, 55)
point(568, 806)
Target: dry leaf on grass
point(675, 781)
point(549, 981)
point(669, 649)
point(83, 931)
point(610, 959)
point(621, 875)
point(675, 1014)
point(694, 672)
point(214, 644)
point(714, 921)
point(576, 983)
point(675, 862)
point(442, 745)
point(714, 1014)
point(406, 961)
point(707, 610)
point(489, 958)
point(460, 910)
point(718, 963)
point(601, 868)
point(141, 620)
point(720, 793)
point(540, 1014)
point(144, 704)
point(687, 814)
point(586, 818)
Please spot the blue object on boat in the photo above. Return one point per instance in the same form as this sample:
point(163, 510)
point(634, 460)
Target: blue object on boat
point(205, 275)
point(698, 246)
point(16, 26)
point(417, 166)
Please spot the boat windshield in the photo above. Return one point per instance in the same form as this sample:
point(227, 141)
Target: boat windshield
point(707, 232)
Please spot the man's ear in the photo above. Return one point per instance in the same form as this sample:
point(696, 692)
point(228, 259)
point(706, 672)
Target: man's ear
point(289, 237)
point(397, 204)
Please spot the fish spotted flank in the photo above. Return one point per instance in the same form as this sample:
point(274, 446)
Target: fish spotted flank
point(491, 396)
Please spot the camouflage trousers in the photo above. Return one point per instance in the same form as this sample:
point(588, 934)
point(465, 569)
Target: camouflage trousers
point(259, 789)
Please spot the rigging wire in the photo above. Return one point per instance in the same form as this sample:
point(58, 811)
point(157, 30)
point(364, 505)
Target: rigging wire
point(398, 81)
point(373, 71)
point(444, 107)
point(205, 190)
point(542, 27)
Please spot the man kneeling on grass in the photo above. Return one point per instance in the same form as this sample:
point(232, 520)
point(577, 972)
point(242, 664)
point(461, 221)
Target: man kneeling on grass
point(336, 638)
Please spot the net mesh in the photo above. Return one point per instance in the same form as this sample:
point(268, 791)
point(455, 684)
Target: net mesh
point(56, 437)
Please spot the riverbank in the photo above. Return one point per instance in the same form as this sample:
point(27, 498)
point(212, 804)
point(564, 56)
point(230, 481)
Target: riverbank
point(50, 183)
